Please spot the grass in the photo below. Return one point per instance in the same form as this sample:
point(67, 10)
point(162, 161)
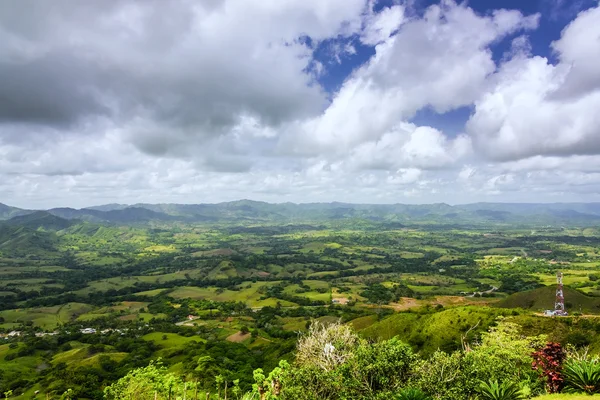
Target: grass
point(249, 294)
point(436, 330)
point(171, 339)
point(46, 317)
point(151, 293)
point(363, 322)
point(566, 397)
point(543, 299)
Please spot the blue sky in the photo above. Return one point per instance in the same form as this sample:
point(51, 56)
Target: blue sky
point(388, 101)
point(555, 15)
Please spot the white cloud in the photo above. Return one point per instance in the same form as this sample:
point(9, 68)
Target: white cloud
point(441, 60)
point(536, 108)
point(220, 100)
point(378, 27)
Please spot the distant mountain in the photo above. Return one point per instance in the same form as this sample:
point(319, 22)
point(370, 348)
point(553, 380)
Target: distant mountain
point(107, 207)
point(7, 212)
point(126, 215)
point(41, 219)
point(248, 211)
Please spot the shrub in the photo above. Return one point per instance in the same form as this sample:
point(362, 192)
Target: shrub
point(445, 376)
point(412, 394)
point(505, 355)
point(147, 382)
point(332, 362)
point(326, 346)
point(582, 376)
point(378, 367)
point(549, 362)
point(493, 390)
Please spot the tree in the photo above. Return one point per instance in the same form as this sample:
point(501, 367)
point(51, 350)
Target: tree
point(145, 383)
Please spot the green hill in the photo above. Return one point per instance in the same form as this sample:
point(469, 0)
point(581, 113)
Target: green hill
point(543, 299)
point(41, 219)
point(19, 241)
point(7, 212)
point(436, 330)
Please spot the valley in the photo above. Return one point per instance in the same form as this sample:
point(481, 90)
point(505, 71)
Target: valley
point(87, 295)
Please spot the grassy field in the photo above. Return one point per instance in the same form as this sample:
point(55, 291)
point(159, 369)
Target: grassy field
point(249, 294)
point(168, 340)
point(46, 317)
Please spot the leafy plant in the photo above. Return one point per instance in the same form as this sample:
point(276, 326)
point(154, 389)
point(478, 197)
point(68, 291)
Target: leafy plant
point(549, 362)
point(270, 387)
point(493, 390)
point(582, 376)
point(152, 381)
point(412, 394)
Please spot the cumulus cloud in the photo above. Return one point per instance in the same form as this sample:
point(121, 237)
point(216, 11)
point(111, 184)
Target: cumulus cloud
point(537, 108)
point(193, 69)
point(440, 61)
point(216, 100)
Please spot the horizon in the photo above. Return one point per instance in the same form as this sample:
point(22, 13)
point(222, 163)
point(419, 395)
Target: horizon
point(133, 205)
point(303, 101)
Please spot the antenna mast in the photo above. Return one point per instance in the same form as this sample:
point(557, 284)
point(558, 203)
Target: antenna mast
point(559, 303)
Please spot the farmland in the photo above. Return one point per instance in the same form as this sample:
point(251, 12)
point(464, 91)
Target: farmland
point(108, 297)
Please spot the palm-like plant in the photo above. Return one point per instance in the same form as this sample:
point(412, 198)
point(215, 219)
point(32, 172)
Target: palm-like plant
point(412, 394)
point(582, 376)
point(500, 391)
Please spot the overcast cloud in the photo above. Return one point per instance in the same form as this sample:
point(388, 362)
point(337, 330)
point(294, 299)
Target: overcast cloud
point(206, 101)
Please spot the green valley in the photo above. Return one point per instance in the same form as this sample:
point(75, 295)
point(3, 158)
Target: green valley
point(216, 292)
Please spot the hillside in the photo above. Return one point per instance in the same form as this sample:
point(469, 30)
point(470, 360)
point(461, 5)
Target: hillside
point(7, 212)
point(543, 299)
point(41, 219)
point(18, 241)
point(242, 211)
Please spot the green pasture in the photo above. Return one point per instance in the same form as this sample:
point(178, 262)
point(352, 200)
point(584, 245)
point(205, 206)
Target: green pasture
point(46, 317)
point(151, 293)
point(570, 277)
point(312, 295)
point(249, 293)
point(168, 340)
point(128, 281)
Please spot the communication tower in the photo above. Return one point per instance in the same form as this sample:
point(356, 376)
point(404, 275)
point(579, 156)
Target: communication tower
point(559, 303)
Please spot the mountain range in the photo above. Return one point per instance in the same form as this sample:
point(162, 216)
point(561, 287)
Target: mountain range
point(247, 211)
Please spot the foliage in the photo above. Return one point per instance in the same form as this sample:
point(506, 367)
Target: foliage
point(493, 390)
point(326, 346)
point(412, 394)
point(270, 387)
point(504, 354)
point(582, 376)
point(549, 362)
point(144, 383)
point(332, 363)
point(445, 376)
point(378, 367)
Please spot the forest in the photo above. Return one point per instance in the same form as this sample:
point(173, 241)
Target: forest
point(334, 301)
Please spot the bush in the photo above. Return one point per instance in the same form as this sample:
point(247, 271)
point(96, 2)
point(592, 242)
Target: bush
point(378, 367)
point(412, 394)
point(445, 376)
point(505, 355)
point(326, 346)
point(582, 376)
point(495, 391)
point(332, 362)
point(549, 362)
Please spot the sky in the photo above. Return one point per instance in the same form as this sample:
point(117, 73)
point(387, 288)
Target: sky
point(363, 101)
